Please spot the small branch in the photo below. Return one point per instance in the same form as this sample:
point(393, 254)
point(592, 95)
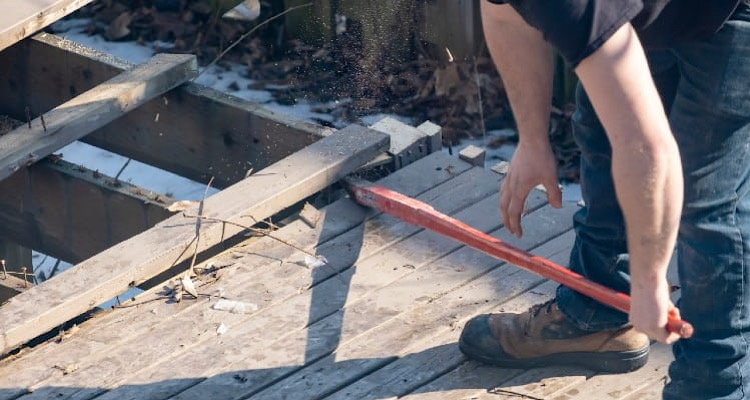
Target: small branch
point(481, 108)
point(198, 227)
point(263, 232)
point(511, 393)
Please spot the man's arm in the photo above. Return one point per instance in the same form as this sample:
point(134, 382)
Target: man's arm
point(646, 164)
point(646, 168)
point(525, 63)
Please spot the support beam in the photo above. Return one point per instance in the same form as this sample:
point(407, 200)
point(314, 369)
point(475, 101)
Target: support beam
point(71, 212)
point(21, 18)
point(199, 132)
point(129, 263)
point(92, 109)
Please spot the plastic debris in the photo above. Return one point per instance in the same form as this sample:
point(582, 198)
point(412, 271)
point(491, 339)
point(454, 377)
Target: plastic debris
point(234, 306)
point(315, 262)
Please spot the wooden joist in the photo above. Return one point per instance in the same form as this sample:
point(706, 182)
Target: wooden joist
point(71, 212)
point(93, 109)
point(199, 132)
point(172, 241)
point(22, 18)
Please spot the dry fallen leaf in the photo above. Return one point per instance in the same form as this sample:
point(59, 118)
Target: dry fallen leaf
point(118, 29)
point(248, 10)
point(188, 285)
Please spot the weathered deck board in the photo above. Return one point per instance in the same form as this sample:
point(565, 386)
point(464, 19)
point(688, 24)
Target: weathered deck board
point(93, 109)
point(610, 388)
point(379, 322)
point(418, 326)
point(184, 332)
point(384, 316)
point(429, 359)
point(21, 18)
point(148, 254)
point(438, 170)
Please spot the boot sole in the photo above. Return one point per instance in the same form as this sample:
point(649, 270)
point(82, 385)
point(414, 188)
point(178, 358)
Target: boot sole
point(609, 362)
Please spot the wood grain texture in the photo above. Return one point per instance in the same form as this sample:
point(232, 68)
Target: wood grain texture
point(146, 255)
point(199, 133)
point(186, 343)
point(259, 261)
point(37, 206)
point(93, 109)
point(22, 18)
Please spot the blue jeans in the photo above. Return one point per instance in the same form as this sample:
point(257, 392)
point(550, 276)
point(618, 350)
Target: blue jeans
point(710, 118)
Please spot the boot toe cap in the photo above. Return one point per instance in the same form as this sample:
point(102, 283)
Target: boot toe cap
point(477, 341)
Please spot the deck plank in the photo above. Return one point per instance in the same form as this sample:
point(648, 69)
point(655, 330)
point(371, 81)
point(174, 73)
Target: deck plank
point(21, 18)
point(616, 387)
point(418, 331)
point(291, 277)
point(290, 315)
point(380, 322)
point(425, 285)
point(156, 250)
point(418, 180)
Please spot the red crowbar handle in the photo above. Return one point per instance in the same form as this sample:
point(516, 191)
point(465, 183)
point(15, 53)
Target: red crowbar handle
point(423, 215)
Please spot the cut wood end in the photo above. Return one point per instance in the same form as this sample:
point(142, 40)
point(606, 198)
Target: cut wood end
point(310, 215)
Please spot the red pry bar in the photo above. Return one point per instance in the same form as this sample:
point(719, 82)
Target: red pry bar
point(423, 215)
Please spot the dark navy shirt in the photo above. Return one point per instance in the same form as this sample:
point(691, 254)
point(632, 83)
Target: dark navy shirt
point(577, 28)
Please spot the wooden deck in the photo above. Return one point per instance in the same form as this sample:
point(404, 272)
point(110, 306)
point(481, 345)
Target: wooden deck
point(379, 320)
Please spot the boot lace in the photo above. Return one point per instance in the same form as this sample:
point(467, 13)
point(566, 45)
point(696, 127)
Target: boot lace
point(546, 306)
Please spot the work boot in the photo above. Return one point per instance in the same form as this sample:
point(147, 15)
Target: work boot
point(543, 337)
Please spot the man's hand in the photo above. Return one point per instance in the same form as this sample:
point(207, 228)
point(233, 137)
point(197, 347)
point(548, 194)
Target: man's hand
point(649, 308)
point(532, 164)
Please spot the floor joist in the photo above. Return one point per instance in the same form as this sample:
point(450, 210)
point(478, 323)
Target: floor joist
point(92, 109)
point(134, 261)
point(194, 131)
point(71, 212)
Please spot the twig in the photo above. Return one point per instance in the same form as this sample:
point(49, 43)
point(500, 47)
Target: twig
point(248, 33)
point(263, 232)
point(481, 108)
point(117, 177)
point(511, 393)
point(198, 227)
